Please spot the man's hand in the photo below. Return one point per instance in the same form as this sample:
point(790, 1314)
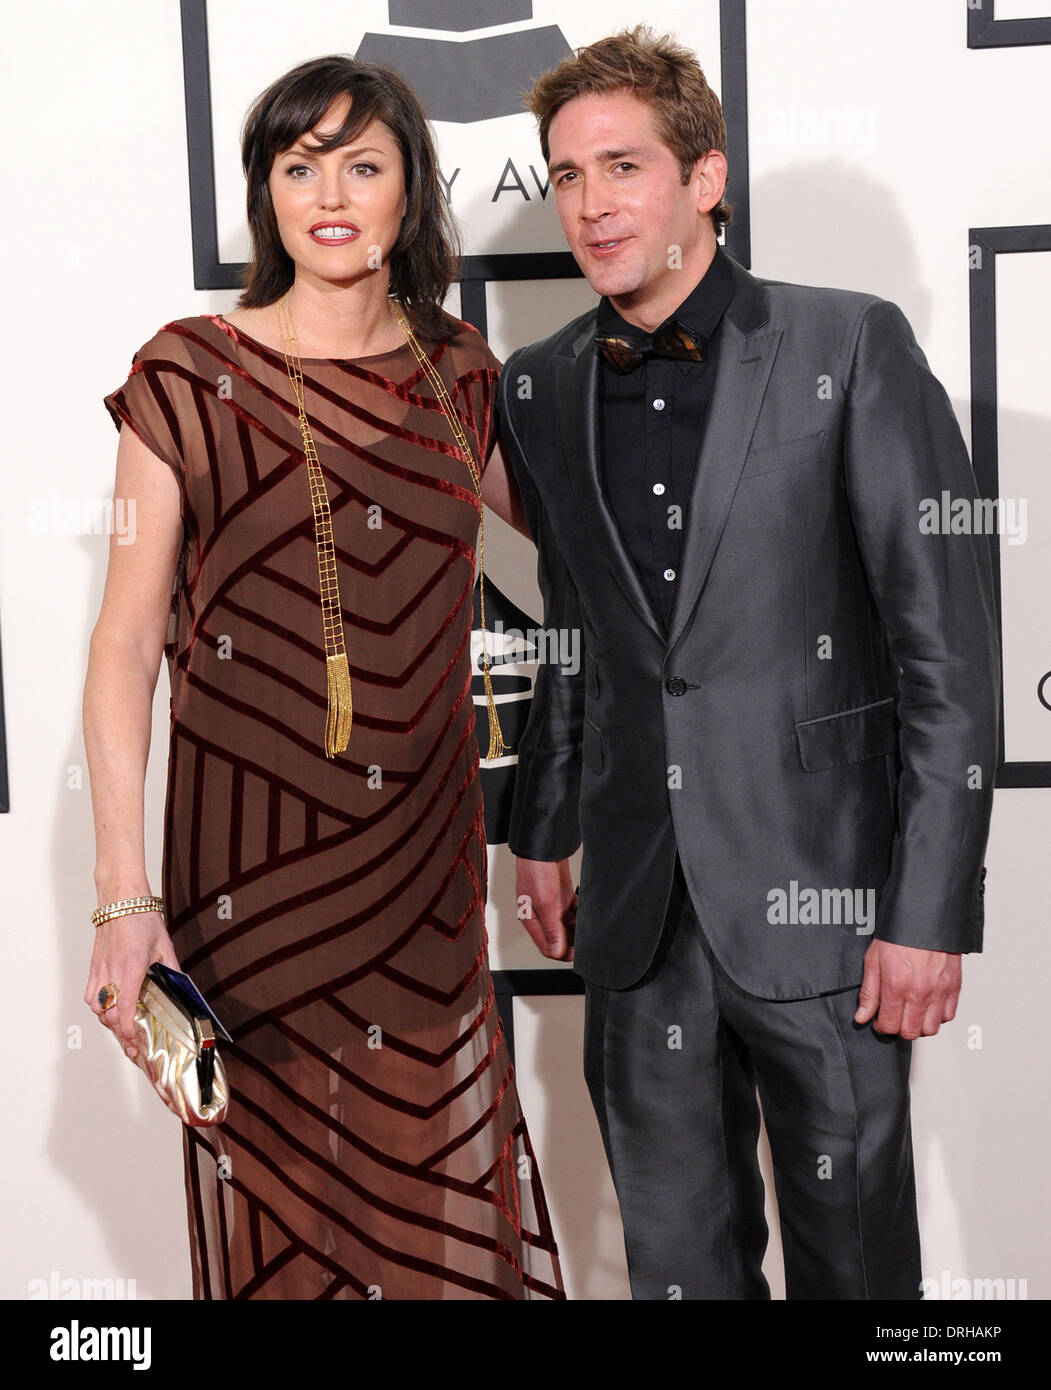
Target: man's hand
point(908, 990)
point(547, 905)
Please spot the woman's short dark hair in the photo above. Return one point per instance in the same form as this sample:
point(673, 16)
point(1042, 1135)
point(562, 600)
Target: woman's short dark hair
point(425, 258)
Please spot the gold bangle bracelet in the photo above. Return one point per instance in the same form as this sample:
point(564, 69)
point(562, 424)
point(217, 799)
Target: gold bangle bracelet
point(126, 907)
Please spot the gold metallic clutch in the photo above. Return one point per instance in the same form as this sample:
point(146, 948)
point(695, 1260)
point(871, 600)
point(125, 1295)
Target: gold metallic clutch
point(176, 1042)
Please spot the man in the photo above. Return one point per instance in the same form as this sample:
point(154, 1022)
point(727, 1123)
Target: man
point(780, 754)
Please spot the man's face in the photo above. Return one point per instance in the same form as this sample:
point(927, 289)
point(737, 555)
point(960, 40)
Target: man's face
point(622, 202)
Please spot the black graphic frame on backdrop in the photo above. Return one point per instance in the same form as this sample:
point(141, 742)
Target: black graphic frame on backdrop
point(990, 243)
point(5, 800)
point(209, 273)
point(984, 30)
point(476, 272)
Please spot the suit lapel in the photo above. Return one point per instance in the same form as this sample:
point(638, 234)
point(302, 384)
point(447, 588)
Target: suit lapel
point(746, 358)
point(576, 405)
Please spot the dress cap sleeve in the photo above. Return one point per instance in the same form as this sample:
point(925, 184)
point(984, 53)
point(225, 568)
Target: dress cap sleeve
point(150, 399)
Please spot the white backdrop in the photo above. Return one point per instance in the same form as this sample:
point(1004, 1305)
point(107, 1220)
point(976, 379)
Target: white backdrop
point(877, 138)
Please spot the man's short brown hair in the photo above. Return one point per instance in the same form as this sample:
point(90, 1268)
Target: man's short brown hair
point(659, 71)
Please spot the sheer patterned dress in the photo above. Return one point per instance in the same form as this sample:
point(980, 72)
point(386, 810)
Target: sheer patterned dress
point(332, 911)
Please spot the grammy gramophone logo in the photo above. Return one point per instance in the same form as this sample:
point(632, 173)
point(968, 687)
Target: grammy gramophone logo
point(469, 79)
point(512, 672)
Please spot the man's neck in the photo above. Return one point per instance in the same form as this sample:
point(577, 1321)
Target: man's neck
point(648, 308)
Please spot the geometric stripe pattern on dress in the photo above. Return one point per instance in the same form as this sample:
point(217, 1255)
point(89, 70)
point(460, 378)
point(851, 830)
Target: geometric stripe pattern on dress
point(333, 910)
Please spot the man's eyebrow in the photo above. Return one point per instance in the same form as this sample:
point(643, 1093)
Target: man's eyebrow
point(601, 157)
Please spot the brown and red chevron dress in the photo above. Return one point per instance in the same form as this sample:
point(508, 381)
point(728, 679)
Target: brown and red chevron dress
point(332, 911)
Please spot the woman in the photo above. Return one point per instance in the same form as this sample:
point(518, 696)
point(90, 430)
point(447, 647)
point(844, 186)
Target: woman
point(324, 852)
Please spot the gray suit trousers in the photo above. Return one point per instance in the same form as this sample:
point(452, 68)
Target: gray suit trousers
point(673, 1065)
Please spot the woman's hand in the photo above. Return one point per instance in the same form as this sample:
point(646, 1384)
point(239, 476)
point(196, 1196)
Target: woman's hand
point(125, 948)
point(127, 647)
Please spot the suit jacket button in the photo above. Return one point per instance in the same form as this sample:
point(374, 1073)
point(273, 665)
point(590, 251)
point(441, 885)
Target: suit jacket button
point(675, 685)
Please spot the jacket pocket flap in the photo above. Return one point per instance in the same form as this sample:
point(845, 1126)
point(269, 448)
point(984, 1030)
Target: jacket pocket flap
point(771, 458)
point(870, 731)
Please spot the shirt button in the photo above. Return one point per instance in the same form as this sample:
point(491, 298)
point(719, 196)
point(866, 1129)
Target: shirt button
point(658, 404)
point(669, 574)
point(658, 488)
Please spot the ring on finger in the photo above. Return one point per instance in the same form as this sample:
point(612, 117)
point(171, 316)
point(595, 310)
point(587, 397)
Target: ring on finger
point(107, 996)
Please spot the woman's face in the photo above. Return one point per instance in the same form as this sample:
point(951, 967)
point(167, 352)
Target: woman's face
point(339, 212)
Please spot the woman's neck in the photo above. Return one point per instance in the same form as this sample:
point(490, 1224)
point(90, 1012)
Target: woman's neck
point(338, 321)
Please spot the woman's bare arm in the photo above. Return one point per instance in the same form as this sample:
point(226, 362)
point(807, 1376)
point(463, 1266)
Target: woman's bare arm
point(127, 645)
point(500, 492)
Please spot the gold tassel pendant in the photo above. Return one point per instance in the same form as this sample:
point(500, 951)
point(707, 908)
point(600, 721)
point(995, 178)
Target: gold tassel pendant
point(340, 705)
point(497, 746)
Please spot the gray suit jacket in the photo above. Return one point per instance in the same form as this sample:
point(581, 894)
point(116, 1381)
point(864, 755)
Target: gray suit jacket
point(816, 733)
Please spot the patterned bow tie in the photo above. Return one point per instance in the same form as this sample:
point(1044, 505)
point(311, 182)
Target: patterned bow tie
point(672, 340)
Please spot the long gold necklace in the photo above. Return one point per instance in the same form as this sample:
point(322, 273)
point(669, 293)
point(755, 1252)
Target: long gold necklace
point(340, 705)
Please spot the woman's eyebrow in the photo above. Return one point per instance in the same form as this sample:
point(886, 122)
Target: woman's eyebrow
point(360, 149)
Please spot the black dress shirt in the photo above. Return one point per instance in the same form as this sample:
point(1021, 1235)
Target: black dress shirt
point(651, 426)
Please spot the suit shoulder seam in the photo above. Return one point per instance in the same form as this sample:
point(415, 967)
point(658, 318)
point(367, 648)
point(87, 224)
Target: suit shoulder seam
point(855, 336)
